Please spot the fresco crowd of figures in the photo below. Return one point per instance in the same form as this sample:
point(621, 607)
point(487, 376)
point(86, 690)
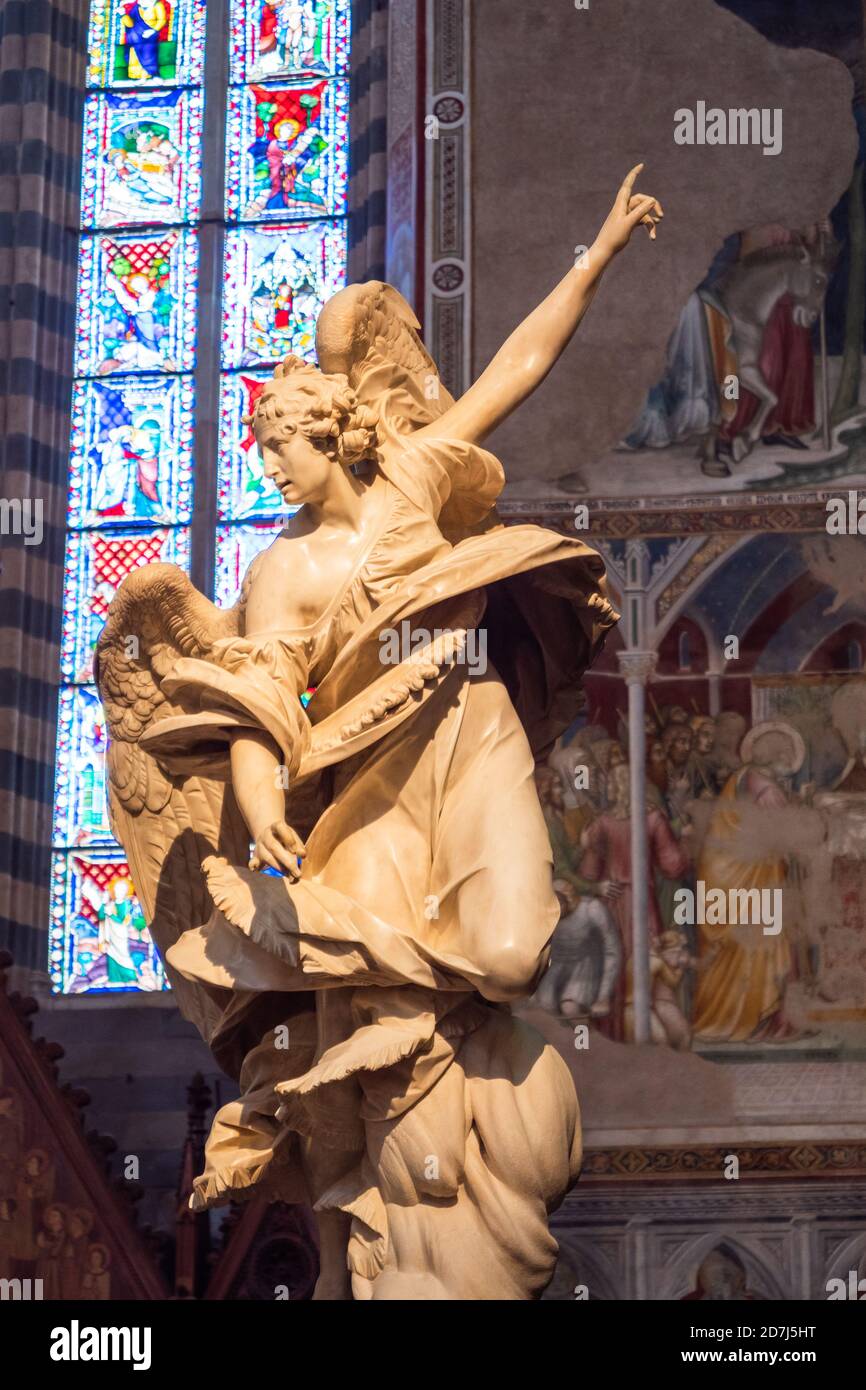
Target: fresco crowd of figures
point(728, 807)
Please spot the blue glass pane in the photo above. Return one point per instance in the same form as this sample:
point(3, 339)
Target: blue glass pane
point(131, 451)
point(80, 811)
point(288, 149)
point(142, 159)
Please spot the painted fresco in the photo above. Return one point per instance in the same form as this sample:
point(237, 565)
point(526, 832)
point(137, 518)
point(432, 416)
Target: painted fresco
point(748, 610)
point(755, 798)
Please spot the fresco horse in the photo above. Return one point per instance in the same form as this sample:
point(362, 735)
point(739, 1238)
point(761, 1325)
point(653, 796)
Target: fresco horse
point(746, 295)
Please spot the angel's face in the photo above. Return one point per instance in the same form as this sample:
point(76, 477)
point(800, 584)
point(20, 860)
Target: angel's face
point(301, 472)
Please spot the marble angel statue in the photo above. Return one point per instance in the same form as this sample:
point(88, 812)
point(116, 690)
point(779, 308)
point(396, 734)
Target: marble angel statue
point(354, 969)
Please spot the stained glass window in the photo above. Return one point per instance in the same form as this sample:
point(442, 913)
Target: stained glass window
point(143, 358)
point(131, 449)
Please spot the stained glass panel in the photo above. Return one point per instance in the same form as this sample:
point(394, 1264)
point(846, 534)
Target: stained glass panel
point(143, 162)
point(145, 43)
point(276, 281)
point(288, 38)
point(80, 810)
point(137, 303)
point(96, 564)
point(243, 490)
point(131, 451)
point(287, 150)
point(99, 940)
point(236, 548)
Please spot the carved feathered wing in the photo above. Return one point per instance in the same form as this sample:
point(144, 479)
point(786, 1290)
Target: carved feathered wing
point(166, 824)
point(370, 334)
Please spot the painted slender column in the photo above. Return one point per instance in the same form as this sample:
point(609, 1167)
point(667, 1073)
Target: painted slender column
point(637, 667)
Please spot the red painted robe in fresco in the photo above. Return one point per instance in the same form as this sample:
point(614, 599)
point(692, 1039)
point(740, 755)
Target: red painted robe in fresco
point(608, 855)
point(787, 365)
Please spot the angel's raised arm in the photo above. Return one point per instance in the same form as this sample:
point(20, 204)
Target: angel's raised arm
point(527, 356)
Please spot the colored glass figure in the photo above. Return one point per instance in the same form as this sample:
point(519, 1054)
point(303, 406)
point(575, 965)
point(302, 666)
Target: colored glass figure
point(96, 563)
point(236, 547)
point(146, 42)
point(99, 938)
point(288, 38)
point(288, 151)
point(80, 811)
point(276, 281)
point(132, 451)
point(137, 303)
point(142, 159)
point(243, 489)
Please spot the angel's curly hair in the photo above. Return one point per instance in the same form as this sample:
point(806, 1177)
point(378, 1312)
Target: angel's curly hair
point(322, 406)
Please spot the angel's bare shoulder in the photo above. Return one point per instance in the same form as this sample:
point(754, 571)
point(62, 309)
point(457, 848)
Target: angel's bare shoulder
point(253, 569)
point(274, 589)
point(254, 573)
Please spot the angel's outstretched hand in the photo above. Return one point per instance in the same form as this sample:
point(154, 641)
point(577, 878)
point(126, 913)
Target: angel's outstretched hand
point(278, 847)
point(628, 211)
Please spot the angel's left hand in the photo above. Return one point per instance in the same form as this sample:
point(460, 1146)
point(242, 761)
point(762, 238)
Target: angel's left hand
point(279, 847)
point(628, 211)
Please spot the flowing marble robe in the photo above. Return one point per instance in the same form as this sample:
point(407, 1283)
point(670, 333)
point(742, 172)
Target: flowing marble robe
point(460, 1124)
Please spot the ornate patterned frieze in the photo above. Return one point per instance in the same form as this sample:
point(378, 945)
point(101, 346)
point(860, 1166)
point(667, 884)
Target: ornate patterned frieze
point(448, 304)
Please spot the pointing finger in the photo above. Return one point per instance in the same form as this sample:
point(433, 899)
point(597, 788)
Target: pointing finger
point(629, 182)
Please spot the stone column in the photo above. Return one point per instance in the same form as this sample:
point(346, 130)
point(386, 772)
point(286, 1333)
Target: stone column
point(803, 1263)
point(637, 667)
point(640, 1276)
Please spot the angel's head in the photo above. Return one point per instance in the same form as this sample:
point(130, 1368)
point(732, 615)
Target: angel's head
point(307, 424)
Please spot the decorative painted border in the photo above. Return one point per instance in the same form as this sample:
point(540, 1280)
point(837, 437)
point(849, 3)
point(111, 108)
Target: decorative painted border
point(706, 1162)
point(447, 276)
point(633, 519)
